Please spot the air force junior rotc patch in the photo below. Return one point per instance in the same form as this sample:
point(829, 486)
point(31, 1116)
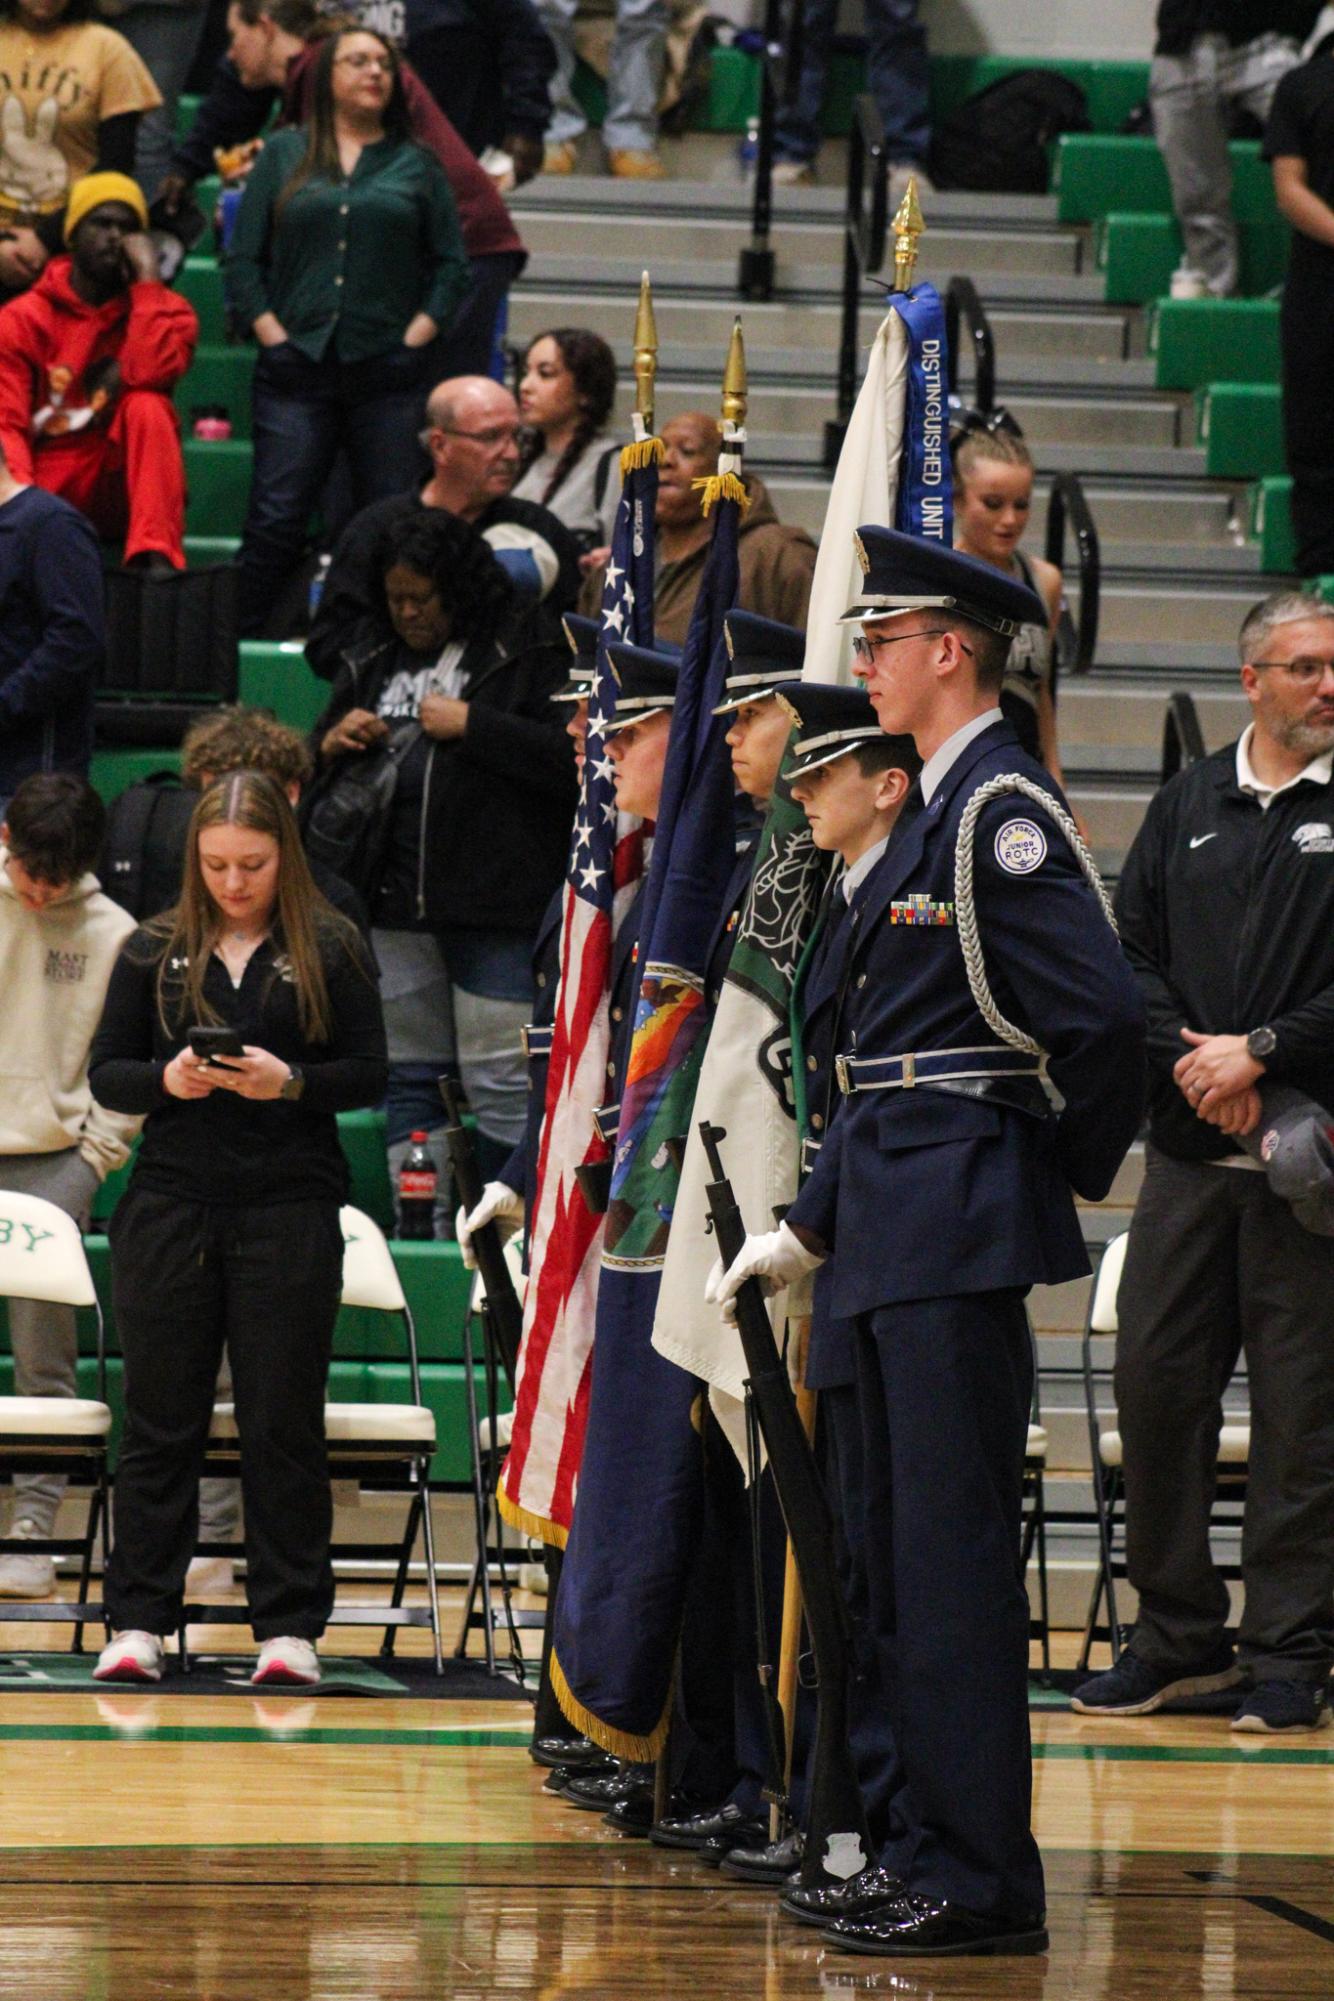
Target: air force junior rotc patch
point(1021, 846)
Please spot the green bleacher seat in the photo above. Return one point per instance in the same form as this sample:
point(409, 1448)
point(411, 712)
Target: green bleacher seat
point(274, 675)
point(1137, 255)
point(187, 110)
point(218, 377)
point(1240, 425)
point(1094, 173)
point(218, 481)
point(1198, 341)
point(362, 1137)
point(201, 283)
point(202, 549)
point(1271, 522)
point(113, 770)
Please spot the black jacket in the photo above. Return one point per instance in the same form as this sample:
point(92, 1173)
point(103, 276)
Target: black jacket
point(498, 802)
point(349, 594)
point(225, 1149)
point(1227, 917)
point(51, 637)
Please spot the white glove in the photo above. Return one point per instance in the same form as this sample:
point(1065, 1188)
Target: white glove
point(775, 1258)
point(499, 1205)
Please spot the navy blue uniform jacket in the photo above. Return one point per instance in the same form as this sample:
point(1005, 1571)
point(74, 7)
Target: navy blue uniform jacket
point(925, 1194)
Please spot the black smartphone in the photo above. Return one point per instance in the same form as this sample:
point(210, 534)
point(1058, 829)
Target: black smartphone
point(211, 1044)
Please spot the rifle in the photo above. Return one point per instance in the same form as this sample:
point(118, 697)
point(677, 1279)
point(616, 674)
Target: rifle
point(838, 1842)
point(503, 1311)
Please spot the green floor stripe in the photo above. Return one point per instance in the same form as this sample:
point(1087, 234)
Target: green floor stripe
point(503, 1737)
point(1186, 1754)
point(185, 1733)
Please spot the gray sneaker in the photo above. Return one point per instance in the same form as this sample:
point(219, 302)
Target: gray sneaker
point(23, 1576)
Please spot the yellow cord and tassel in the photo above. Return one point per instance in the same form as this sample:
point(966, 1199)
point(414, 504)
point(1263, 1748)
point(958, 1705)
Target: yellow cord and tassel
point(527, 1523)
point(720, 486)
point(643, 452)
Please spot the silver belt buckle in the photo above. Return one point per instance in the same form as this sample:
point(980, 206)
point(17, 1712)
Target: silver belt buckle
point(908, 1064)
point(841, 1076)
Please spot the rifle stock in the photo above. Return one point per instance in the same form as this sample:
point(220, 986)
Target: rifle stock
point(838, 1842)
point(502, 1302)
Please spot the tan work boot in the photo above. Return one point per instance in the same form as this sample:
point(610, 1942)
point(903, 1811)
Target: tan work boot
point(630, 164)
point(562, 158)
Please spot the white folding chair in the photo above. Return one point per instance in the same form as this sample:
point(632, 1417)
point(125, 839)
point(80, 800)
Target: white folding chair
point(1106, 1458)
point(42, 1257)
point(384, 1445)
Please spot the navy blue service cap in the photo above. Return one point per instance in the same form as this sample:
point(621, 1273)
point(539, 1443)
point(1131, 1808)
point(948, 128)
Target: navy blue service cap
point(763, 656)
point(645, 685)
point(582, 634)
point(904, 573)
point(831, 721)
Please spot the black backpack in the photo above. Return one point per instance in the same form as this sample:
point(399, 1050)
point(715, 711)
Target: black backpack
point(143, 851)
point(996, 141)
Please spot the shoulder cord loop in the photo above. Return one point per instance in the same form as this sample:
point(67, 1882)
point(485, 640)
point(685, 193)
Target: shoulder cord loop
point(965, 908)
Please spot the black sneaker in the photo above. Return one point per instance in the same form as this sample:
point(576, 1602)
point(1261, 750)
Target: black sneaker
point(1273, 1706)
point(1135, 1688)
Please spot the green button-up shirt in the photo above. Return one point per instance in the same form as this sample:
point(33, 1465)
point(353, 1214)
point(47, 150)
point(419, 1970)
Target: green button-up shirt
point(348, 262)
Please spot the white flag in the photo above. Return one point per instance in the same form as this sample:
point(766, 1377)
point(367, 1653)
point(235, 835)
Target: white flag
point(745, 1082)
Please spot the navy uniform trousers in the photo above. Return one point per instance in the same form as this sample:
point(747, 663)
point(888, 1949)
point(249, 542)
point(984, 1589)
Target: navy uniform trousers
point(942, 1207)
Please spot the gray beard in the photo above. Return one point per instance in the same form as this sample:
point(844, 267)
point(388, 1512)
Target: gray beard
point(1311, 739)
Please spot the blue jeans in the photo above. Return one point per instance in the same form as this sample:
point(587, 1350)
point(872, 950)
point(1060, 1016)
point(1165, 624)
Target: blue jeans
point(634, 80)
point(305, 412)
point(896, 73)
point(165, 34)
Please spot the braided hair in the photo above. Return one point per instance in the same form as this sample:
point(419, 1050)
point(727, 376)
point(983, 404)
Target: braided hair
point(593, 366)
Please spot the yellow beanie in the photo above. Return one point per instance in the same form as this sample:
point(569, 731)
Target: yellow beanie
point(95, 188)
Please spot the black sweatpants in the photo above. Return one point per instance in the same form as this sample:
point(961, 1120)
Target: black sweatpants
point(1306, 324)
point(1215, 1264)
point(188, 1277)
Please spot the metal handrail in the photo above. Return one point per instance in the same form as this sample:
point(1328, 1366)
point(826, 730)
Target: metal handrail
point(780, 77)
point(1068, 506)
point(1183, 739)
point(865, 234)
point(962, 303)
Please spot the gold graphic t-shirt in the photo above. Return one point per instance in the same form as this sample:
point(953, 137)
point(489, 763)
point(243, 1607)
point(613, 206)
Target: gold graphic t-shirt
point(55, 90)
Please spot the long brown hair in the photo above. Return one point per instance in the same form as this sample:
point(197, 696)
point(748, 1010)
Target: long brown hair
point(302, 920)
point(593, 366)
point(320, 159)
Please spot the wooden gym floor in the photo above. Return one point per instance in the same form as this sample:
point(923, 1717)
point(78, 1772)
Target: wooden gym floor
point(299, 1849)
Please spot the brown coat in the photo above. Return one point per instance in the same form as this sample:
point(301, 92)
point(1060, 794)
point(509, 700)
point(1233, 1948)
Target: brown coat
point(777, 564)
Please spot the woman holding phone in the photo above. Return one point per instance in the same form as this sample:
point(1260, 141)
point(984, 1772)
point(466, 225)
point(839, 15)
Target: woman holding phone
point(229, 1232)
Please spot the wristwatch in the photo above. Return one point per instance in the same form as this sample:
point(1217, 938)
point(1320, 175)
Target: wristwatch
point(294, 1085)
point(1261, 1044)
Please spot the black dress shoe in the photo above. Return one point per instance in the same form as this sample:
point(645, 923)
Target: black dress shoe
point(632, 1813)
point(825, 1903)
point(579, 1754)
point(595, 1792)
point(744, 1837)
point(918, 1927)
point(697, 1830)
point(769, 1865)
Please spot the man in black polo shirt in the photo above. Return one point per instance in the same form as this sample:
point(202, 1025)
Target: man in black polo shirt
point(1299, 142)
point(1226, 908)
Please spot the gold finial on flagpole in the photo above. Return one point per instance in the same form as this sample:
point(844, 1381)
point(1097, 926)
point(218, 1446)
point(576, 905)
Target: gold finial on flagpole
point(734, 380)
point(646, 354)
point(908, 227)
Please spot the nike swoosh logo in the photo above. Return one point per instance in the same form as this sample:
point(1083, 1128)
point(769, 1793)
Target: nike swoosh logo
point(1198, 840)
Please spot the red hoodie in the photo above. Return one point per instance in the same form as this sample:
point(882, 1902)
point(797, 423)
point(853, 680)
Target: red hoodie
point(51, 342)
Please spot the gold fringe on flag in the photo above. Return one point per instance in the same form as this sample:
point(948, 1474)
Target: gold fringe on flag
point(635, 1750)
point(721, 486)
point(643, 452)
point(527, 1523)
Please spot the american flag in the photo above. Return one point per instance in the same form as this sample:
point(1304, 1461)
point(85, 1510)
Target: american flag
point(537, 1483)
